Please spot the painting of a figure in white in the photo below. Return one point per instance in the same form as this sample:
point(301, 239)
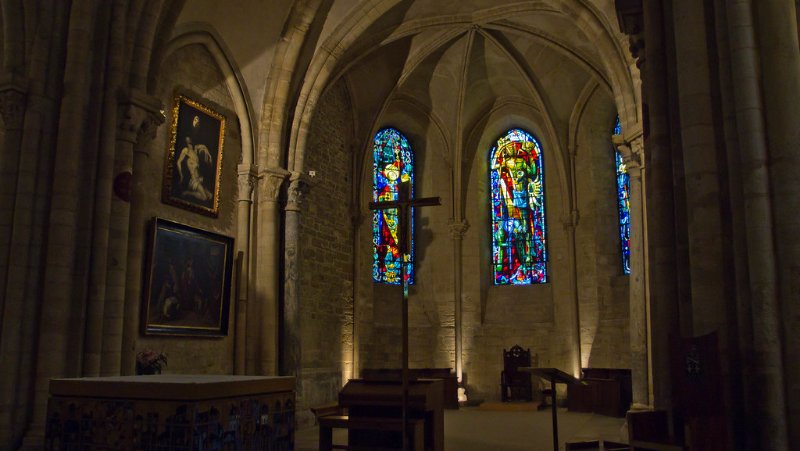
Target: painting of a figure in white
point(194, 158)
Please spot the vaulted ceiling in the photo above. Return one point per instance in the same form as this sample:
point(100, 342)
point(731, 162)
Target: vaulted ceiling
point(456, 59)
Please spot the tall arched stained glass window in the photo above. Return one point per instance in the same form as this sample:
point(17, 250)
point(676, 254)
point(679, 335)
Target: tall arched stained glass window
point(519, 249)
point(393, 162)
point(623, 205)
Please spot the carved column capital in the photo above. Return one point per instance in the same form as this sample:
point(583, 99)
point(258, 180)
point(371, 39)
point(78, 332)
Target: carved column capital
point(247, 182)
point(270, 182)
point(12, 102)
point(299, 186)
point(457, 229)
point(632, 151)
point(138, 118)
point(630, 17)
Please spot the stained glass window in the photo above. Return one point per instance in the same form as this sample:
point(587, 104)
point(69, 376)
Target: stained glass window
point(519, 251)
point(624, 205)
point(393, 163)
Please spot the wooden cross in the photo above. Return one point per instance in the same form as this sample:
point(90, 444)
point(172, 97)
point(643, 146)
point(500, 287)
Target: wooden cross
point(404, 204)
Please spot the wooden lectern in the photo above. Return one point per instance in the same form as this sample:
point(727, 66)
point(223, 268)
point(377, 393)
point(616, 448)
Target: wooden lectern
point(384, 399)
point(554, 375)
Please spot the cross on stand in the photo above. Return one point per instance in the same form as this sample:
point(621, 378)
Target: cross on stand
point(404, 204)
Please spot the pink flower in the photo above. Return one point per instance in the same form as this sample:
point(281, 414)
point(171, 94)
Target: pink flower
point(150, 361)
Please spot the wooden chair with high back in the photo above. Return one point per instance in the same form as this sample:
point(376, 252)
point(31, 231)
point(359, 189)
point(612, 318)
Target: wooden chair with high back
point(516, 385)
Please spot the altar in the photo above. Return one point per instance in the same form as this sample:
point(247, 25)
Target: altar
point(171, 412)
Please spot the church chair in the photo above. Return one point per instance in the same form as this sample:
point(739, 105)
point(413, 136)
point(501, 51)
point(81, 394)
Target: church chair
point(516, 385)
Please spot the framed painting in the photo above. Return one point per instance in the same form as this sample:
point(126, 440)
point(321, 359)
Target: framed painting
point(194, 158)
point(187, 281)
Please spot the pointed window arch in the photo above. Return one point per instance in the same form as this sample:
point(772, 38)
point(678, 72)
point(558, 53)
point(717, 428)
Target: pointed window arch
point(516, 177)
point(393, 162)
point(623, 204)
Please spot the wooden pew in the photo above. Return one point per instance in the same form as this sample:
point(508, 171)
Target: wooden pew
point(383, 424)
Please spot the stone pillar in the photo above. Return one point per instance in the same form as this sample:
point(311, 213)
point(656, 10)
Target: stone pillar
point(356, 220)
point(104, 193)
point(12, 108)
point(457, 231)
point(570, 224)
point(135, 113)
point(247, 181)
point(776, 33)
point(151, 118)
point(632, 154)
point(298, 187)
point(262, 320)
point(643, 22)
point(767, 361)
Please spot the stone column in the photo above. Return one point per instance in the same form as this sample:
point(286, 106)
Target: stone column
point(104, 192)
point(457, 231)
point(570, 223)
point(776, 24)
point(152, 118)
point(643, 22)
point(298, 187)
point(756, 165)
point(247, 181)
point(12, 108)
point(262, 320)
point(135, 113)
point(632, 154)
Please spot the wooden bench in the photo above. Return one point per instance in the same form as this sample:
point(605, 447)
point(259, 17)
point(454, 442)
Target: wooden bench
point(329, 422)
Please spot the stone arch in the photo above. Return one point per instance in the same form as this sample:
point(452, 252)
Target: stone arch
point(210, 39)
point(329, 54)
point(278, 94)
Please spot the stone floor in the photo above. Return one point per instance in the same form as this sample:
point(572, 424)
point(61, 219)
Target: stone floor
point(469, 429)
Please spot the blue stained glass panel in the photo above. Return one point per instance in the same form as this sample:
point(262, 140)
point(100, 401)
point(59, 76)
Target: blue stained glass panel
point(624, 205)
point(519, 248)
point(393, 163)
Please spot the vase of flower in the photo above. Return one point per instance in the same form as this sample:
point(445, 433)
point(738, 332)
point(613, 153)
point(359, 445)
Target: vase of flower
point(150, 362)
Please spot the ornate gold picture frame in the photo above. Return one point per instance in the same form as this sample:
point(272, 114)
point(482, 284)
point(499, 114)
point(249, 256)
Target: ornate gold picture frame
point(193, 165)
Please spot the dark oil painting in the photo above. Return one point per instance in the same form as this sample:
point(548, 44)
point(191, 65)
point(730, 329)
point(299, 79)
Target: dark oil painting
point(188, 281)
point(194, 158)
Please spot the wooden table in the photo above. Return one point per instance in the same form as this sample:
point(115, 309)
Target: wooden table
point(171, 412)
point(553, 375)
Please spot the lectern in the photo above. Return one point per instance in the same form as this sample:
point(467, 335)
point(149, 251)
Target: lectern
point(554, 375)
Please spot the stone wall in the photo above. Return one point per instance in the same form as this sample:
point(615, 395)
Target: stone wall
point(431, 310)
point(498, 317)
point(193, 72)
point(326, 254)
point(602, 285)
